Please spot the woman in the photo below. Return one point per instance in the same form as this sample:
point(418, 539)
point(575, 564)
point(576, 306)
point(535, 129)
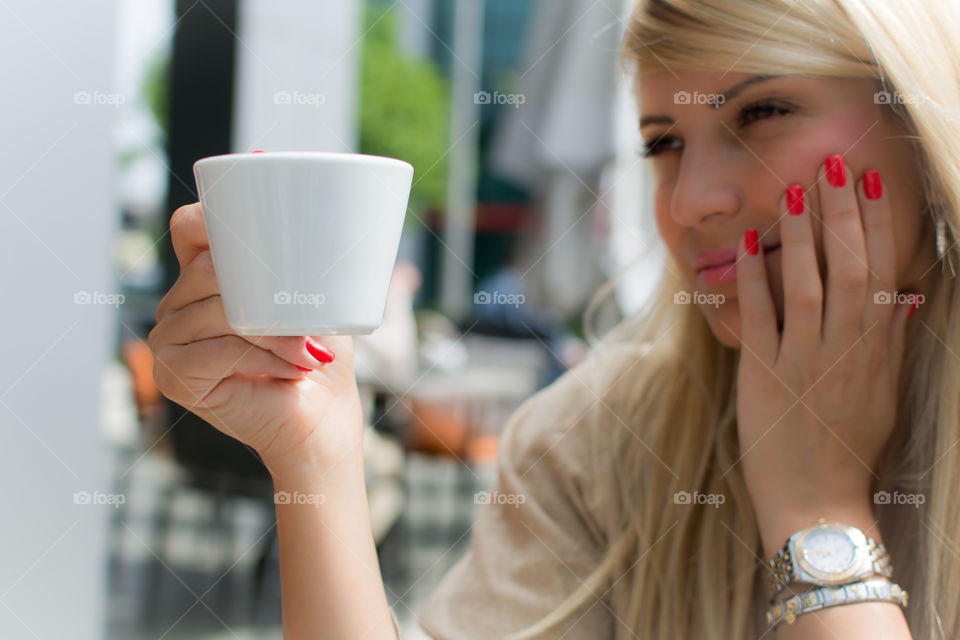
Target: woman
point(807, 184)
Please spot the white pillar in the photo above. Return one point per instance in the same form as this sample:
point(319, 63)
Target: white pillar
point(297, 75)
point(460, 220)
point(57, 225)
point(635, 249)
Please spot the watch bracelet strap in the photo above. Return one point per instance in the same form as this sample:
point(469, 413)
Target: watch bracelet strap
point(778, 574)
point(871, 590)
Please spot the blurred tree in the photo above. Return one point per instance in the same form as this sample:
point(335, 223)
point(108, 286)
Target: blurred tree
point(404, 109)
point(156, 87)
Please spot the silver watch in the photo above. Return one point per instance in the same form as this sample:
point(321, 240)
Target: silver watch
point(827, 554)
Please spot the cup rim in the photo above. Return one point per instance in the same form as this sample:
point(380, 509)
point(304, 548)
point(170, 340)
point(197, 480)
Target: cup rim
point(319, 156)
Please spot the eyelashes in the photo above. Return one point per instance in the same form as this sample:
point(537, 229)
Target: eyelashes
point(759, 110)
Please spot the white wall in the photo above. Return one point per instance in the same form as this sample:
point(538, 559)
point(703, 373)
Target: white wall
point(57, 223)
point(298, 66)
point(635, 252)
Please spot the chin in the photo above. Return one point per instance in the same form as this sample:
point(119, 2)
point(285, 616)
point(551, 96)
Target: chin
point(724, 322)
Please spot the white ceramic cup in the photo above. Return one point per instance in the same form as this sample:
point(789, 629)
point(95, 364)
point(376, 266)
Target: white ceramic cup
point(303, 243)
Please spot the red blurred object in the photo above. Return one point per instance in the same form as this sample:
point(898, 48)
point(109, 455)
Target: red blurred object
point(446, 428)
point(139, 360)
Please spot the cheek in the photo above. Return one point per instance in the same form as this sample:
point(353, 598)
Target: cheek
point(796, 157)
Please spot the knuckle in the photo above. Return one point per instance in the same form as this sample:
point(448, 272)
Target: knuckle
point(753, 277)
point(221, 355)
point(807, 299)
point(162, 306)
point(795, 240)
point(236, 345)
point(845, 212)
point(211, 349)
point(162, 377)
point(851, 279)
point(876, 221)
point(207, 315)
point(214, 304)
point(152, 339)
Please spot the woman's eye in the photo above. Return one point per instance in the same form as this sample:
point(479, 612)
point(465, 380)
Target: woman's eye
point(656, 146)
point(748, 114)
point(759, 111)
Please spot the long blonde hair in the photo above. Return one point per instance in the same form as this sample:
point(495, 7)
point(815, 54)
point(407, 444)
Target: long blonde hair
point(694, 571)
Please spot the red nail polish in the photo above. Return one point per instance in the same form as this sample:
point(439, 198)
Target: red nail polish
point(913, 308)
point(750, 239)
point(319, 351)
point(303, 368)
point(795, 199)
point(836, 171)
point(872, 186)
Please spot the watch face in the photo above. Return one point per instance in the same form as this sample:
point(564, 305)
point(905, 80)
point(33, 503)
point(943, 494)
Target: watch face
point(827, 553)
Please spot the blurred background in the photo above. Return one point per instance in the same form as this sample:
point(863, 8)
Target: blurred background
point(129, 517)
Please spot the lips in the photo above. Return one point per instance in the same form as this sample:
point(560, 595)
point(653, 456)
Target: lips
point(718, 267)
point(720, 257)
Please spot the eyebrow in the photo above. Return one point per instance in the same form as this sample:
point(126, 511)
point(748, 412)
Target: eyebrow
point(729, 94)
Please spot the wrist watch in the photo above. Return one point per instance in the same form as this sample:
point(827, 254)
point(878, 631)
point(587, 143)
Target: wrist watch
point(827, 554)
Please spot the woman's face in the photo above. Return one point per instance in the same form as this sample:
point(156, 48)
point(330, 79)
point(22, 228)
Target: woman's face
point(720, 171)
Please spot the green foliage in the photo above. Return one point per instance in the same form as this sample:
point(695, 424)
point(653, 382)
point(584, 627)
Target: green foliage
point(404, 109)
point(156, 88)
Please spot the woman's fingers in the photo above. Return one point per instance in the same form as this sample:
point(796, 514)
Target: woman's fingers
point(188, 373)
point(881, 252)
point(188, 233)
point(206, 319)
point(197, 280)
point(845, 254)
point(758, 318)
point(802, 286)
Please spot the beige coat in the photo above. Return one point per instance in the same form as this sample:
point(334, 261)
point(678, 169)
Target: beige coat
point(524, 559)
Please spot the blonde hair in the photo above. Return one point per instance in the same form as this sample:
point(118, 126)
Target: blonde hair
point(693, 572)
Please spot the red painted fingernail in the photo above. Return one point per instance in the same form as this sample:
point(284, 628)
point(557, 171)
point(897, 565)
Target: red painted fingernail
point(913, 308)
point(257, 151)
point(836, 171)
point(750, 239)
point(319, 351)
point(795, 199)
point(872, 186)
point(303, 368)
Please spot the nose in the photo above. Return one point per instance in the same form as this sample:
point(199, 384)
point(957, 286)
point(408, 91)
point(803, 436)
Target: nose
point(706, 188)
